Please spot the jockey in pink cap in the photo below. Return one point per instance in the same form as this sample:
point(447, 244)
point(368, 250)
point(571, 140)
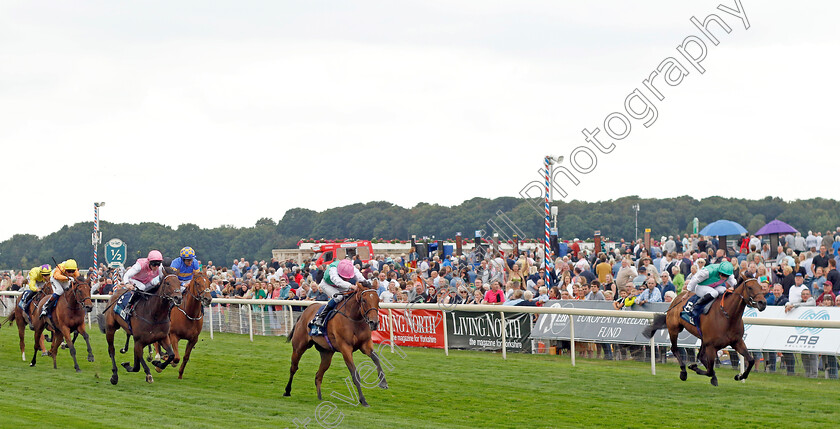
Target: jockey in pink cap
point(144, 275)
point(340, 276)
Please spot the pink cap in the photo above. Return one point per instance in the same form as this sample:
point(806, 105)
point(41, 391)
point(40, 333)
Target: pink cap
point(345, 269)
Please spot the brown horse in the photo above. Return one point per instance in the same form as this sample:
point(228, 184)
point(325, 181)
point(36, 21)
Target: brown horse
point(19, 319)
point(149, 324)
point(67, 316)
point(188, 319)
point(350, 330)
point(722, 326)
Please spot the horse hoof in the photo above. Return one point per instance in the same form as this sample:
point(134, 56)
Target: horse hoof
point(78, 370)
point(31, 364)
point(23, 356)
point(176, 361)
point(714, 381)
point(683, 375)
point(45, 353)
point(114, 379)
point(123, 351)
point(158, 369)
point(738, 377)
point(149, 379)
point(90, 358)
point(127, 366)
point(287, 394)
point(364, 404)
point(180, 376)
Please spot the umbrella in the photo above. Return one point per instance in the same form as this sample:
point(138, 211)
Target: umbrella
point(723, 227)
point(776, 226)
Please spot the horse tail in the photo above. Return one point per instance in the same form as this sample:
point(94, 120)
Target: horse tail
point(9, 319)
point(292, 332)
point(100, 320)
point(657, 324)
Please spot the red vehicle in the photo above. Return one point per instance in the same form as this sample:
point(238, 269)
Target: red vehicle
point(326, 253)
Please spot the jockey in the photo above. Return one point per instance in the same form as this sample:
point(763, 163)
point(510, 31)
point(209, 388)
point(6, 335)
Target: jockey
point(62, 275)
point(184, 266)
point(707, 284)
point(145, 275)
point(339, 277)
point(38, 277)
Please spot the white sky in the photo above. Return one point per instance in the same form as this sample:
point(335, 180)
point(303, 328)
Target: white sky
point(225, 112)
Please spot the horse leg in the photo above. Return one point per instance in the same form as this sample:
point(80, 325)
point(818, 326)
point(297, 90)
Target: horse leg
point(326, 360)
point(167, 347)
point(347, 353)
point(676, 351)
point(190, 345)
point(293, 369)
point(741, 348)
point(87, 341)
point(127, 340)
point(173, 339)
point(21, 325)
point(65, 332)
point(138, 356)
point(367, 348)
point(708, 359)
point(109, 337)
point(700, 355)
point(36, 346)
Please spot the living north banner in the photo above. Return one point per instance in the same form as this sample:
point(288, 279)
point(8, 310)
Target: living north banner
point(413, 328)
point(483, 331)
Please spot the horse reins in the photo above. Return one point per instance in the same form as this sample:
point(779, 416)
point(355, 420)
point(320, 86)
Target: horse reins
point(361, 305)
point(196, 297)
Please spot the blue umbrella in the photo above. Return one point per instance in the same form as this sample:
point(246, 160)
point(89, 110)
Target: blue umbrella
point(723, 227)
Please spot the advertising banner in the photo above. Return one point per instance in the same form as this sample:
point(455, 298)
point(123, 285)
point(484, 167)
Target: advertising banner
point(483, 331)
point(415, 328)
point(791, 339)
point(604, 329)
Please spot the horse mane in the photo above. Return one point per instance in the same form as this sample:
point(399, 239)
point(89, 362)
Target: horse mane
point(168, 270)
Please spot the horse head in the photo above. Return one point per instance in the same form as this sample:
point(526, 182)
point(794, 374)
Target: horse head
point(170, 287)
point(81, 292)
point(752, 294)
point(199, 288)
point(369, 306)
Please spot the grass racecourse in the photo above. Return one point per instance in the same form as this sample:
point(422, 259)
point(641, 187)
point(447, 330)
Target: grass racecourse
point(231, 382)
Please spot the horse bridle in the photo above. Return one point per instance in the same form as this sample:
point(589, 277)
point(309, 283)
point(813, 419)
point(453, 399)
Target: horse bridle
point(749, 300)
point(81, 302)
point(362, 304)
point(196, 296)
point(169, 298)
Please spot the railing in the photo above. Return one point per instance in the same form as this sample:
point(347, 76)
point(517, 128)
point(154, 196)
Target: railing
point(221, 318)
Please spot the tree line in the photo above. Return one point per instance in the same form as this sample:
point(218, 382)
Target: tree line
point(379, 219)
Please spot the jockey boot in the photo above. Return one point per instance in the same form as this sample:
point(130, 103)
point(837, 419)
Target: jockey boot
point(319, 319)
point(24, 300)
point(698, 306)
point(132, 301)
point(48, 306)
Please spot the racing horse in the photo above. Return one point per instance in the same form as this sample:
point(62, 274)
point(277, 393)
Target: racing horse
point(349, 330)
point(67, 316)
point(722, 326)
point(149, 324)
point(188, 319)
point(18, 318)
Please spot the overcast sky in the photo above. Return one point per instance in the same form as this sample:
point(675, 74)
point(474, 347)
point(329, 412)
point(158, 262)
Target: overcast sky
point(224, 112)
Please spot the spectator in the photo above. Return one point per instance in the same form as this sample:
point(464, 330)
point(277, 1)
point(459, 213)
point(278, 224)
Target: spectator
point(495, 294)
point(670, 295)
point(527, 300)
point(516, 298)
point(595, 293)
point(666, 285)
point(795, 291)
point(603, 268)
point(779, 297)
point(640, 279)
point(651, 294)
point(626, 273)
point(827, 296)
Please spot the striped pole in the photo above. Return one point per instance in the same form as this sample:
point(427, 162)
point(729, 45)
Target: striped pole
point(95, 238)
point(548, 259)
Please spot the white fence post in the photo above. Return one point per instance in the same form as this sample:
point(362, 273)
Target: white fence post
point(250, 322)
point(652, 357)
point(572, 336)
point(391, 328)
point(211, 321)
point(445, 336)
point(504, 336)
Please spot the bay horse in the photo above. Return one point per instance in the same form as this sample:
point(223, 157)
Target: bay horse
point(722, 326)
point(19, 319)
point(149, 324)
point(348, 331)
point(67, 316)
point(187, 319)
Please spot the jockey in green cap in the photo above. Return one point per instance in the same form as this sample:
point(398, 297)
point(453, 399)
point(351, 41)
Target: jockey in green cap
point(707, 284)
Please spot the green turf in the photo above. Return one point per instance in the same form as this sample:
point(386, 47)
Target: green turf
point(231, 382)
